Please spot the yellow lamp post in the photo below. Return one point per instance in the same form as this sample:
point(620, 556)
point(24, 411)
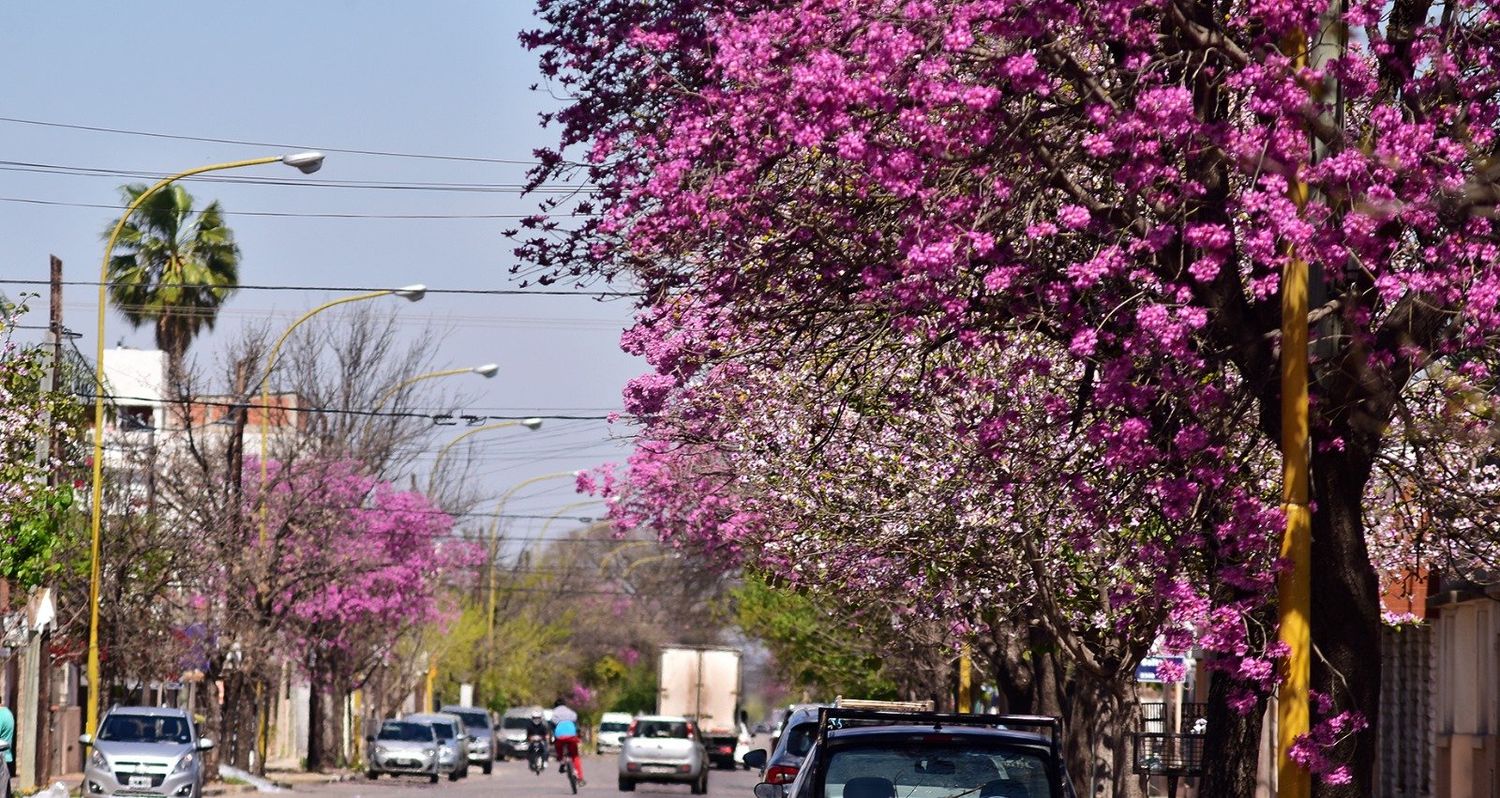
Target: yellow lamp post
point(494, 547)
point(486, 371)
point(305, 162)
point(1294, 585)
point(528, 423)
point(411, 293)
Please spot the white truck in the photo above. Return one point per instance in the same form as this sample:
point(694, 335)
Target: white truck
point(702, 683)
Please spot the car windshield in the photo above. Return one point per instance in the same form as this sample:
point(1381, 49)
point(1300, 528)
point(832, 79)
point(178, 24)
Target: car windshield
point(400, 731)
point(474, 720)
point(613, 727)
point(800, 739)
point(444, 730)
point(919, 769)
point(662, 728)
point(146, 729)
point(517, 723)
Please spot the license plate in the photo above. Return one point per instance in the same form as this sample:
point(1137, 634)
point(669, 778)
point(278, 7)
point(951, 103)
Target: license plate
point(140, 781)
point(659, 769)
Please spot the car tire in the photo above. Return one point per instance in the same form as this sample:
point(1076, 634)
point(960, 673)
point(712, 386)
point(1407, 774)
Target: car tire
point(372, 774)
point(488, 768)
point(432, 778)
point(700, 787)
point(626, 785)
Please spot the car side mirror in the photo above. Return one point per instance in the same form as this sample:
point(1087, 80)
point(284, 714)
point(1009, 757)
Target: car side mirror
point(205, 744)
point(756, 759)
point(85, 739)
point(4, 745)
point(766, 789)
point(369, 738)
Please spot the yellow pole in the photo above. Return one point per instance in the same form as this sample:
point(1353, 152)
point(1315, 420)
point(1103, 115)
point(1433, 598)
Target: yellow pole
point(265, 385)
point(432, 683)
point(1294, 586)
point(965, 679)
point(91, 720)
point(495, 546)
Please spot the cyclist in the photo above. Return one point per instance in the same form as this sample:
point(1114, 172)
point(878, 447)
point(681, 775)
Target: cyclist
point(565, 737)
point(537, 729)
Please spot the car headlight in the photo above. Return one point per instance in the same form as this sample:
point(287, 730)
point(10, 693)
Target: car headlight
point(428, 752)
point(184, 763)
point(381, 750)
point(98, 760)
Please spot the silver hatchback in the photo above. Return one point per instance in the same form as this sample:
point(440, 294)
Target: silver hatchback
point(145, 751)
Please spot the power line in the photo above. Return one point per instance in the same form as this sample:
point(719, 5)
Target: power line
point(453, 419)
point(351, 289)
point(275, 145)
point(383, 185)
point(292, 215)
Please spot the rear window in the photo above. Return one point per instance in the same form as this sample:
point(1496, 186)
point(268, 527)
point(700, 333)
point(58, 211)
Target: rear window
point(613, 727)
point(800, 739)
point(472, 719)
point(401, 731)
point(661, 729)
point(915, 769)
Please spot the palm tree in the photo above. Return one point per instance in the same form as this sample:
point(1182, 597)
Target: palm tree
point(172, 270)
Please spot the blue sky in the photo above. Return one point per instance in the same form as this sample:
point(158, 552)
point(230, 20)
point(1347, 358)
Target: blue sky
point(445, 77)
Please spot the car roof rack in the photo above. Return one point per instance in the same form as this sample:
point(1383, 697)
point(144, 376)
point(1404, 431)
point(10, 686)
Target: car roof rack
point(831, 718)
point(890, 706)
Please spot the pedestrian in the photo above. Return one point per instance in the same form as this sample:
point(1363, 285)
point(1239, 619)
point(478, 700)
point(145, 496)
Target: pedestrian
point(7, 736)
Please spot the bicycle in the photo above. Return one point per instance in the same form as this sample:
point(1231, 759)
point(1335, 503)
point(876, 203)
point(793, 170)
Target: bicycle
point(572, 777)
point(536, 755)
point(567, 748)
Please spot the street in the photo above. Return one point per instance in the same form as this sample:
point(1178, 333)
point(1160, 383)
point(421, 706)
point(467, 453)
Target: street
point(512, 778)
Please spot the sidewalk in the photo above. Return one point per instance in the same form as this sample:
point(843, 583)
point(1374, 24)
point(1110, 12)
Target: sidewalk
point(290, 779)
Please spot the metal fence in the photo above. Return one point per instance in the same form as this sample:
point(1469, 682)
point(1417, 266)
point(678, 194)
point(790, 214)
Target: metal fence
point(1160, 754)
point(1154, 716)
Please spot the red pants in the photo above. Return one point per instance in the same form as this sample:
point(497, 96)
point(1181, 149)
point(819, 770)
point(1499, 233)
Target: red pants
point(567, 748)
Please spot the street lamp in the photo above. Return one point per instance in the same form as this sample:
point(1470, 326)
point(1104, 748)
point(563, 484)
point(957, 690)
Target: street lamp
point(494, 547)
point(411, 293)
point(528, 423)
point(305, 162)
point(486, 371)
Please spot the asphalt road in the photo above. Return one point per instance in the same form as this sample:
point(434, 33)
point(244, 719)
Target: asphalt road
point(513, 778)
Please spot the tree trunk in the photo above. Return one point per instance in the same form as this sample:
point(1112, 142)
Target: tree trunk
point(1098, 715)
point(1231, 745)
point(317, 708)
point(1345, 613)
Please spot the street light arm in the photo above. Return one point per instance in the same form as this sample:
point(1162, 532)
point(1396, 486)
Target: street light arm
point(395, 389)
point(96, 494)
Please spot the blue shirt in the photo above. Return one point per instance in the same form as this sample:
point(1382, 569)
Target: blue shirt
point(8, 732)
point(565, 722)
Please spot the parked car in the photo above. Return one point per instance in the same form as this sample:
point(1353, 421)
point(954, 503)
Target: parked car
point(612, 728)
point(145, 750)
point(513, 730)
point(663, 748)
point(404, 748)
point(878, 754)
point(799, 727)
point(481, 731)
point(453, 755)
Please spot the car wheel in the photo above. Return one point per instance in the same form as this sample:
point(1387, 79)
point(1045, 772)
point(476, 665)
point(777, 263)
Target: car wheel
point(372, 774)
point(700, 787)
point(432, 778)
point(626, 785)
point(487, 767)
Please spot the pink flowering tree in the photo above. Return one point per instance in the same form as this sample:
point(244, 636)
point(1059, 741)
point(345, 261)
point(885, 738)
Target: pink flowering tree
point(1069, 218)
point(357, 566)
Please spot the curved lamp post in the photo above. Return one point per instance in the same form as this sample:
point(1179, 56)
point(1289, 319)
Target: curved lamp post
point(486, 371)
point(528, 423)
point(494, 547)
point(304, 162)
point(411, 293)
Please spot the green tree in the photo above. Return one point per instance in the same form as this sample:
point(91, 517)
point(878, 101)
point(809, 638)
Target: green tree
point(814, 648)
point(173, 268)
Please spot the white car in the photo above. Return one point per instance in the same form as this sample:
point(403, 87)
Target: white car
point(663, 748)
point(612, 729)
